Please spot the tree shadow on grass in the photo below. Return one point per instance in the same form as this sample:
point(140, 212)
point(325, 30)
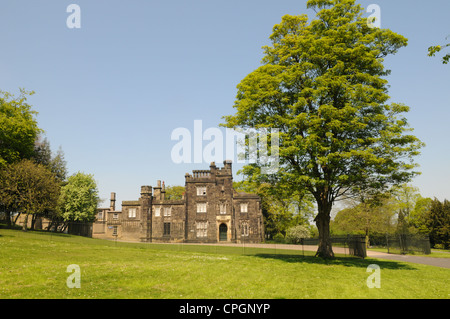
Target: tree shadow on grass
point(338, 261)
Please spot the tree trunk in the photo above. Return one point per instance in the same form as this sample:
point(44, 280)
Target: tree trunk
point(8, 219)
point(25, 223)
point(33, 221)
point(323, 225)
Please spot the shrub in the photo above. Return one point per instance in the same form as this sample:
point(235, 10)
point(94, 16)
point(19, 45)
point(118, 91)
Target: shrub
point(294, 235)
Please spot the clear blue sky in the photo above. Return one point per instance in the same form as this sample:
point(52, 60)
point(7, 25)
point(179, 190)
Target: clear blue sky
point(111, 93)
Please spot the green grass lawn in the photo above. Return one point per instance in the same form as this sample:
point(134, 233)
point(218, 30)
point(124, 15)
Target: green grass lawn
point(33, 265)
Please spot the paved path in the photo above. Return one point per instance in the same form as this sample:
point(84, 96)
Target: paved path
point(438, 262)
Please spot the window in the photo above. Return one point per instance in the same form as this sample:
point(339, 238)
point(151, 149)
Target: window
point(115, 216)
point(201, 191)
point(131, 212)
point(166, 229)
point(167, 211)
point(100, 216)
point(202, 229)
point(244, 208)
point(114, 231)
point(157, 211)
point(201, 208)
point(244, 228)
point(223, 208)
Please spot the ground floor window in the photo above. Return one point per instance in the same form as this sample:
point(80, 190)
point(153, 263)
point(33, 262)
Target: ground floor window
point(166, 229)
point(114, 231)
point(244, 228)
point(202, 229)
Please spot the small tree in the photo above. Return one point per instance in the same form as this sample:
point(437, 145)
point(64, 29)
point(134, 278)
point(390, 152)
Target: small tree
point(79, 198)
point(28, 188)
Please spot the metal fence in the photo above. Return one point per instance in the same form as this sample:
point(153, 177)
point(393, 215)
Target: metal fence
point(402, 243)
point(80, 229)
point(408, 244)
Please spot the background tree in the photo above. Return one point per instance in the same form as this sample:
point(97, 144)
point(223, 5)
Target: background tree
point(321, 84)
point(79, 198)
point(18, 128)
point(281, 207)
point(368, 217)
point(28, 188)
point(174, 192)
point(405, 197)
point(418, 218)
point(437, 222)
point(54, 162)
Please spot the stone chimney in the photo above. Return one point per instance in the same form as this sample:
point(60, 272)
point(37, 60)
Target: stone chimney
point(157, 191)
point(112, 206)
point(227, 166)
point(163, 191)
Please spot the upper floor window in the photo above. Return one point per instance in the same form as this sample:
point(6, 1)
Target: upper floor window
point(244, 208)
point(131, 212)
point(100, 216)
point(167, 211)
point(157, 211)
point(201, 208)
point(201, 190)
point(222, 208)
point(115, 216)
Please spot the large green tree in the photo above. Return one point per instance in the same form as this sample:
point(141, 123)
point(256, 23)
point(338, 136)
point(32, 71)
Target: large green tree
point(18, 128)
point(322, 84)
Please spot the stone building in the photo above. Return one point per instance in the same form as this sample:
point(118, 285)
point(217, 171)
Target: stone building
point(210, 211)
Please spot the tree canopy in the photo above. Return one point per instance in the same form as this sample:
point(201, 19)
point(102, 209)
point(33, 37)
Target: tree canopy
point(322, 85)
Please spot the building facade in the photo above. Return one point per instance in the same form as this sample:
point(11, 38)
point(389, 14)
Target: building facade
point(210, 211)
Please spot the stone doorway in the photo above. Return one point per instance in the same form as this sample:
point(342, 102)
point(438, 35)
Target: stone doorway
point(223, 231)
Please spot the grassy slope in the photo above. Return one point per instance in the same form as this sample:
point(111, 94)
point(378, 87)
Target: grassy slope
point(33, 265)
